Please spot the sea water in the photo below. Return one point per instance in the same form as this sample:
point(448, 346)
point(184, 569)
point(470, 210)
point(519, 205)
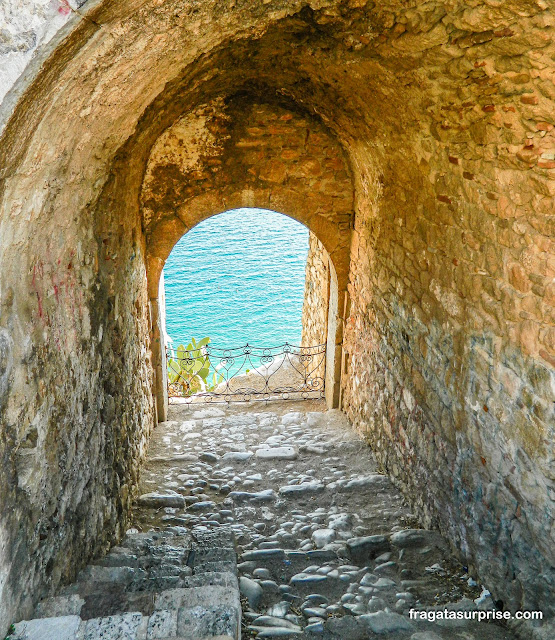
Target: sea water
point(238, 278)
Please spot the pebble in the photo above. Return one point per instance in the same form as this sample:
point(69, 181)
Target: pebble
point(386, 567)
point(200, 506)
point(384, 583)
point(207, 456)
point(405, 595)
point(270, 586)
point(323, 537)
point(237, 456)
point(276, 632)
point(368, 579)
point(292, 418)
point(376, 604)
point(251, 590)
point(279, 610)
point(261, 572)
point(302, 489)
point(366, 548)
point(317, 612)
point(155, 500)
point(304, 578)
point(277, 453)
point(316, 598)
point(260, 496)
point(271, 621)
point(341, 522)
point(356, 609)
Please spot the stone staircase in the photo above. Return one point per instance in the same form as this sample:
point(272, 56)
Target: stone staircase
point(174, 584)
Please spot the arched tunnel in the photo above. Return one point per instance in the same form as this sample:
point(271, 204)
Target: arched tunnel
point(415, 140)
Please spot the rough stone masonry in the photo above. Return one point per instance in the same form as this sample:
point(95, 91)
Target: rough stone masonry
point(417, 143)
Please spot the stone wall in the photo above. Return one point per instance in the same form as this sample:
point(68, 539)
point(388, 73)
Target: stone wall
point(449, 352)
point(316, 294)
point(76, 406)
point(316, 298)
point(433, 122)
point(75, 377)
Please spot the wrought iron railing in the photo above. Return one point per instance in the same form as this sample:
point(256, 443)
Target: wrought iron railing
point(210, 374)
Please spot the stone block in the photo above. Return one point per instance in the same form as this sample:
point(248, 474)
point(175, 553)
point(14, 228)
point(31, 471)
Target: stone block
point(60, 606)
point(207, 596)
point(121, 627)
point(112, 575)
point(162, 624)
point(59, 628)
point(204, 622)
point(216, 578)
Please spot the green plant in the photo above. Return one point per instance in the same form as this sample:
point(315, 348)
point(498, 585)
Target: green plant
point(190, 369)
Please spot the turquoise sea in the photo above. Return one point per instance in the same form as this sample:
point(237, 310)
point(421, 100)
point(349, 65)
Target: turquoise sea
point(238, 277)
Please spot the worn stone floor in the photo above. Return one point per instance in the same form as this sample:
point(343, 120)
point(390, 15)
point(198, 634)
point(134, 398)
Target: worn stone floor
point(268, 521)
point(326, 546)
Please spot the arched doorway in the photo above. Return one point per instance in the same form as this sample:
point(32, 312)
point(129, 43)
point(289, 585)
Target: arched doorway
point(241, 280)
point(255, 155)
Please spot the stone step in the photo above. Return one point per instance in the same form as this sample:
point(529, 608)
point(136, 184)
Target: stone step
point(150, 587)
point(215, 614)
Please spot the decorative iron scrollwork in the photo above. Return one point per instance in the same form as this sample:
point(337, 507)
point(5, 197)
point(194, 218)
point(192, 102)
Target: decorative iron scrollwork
point(246, 373)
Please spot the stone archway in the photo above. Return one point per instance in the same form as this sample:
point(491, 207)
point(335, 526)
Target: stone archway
point(248, 154)
point(445, 114)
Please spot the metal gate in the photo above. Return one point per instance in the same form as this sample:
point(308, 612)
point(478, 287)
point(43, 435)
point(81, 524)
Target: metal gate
point(204, 373)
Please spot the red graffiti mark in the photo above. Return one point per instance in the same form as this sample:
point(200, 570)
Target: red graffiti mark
point(56, 293)
point(64, 7)
point(37, 272)
point(40, 305)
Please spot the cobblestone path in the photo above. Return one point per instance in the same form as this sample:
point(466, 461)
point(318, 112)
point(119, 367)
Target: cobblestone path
point(279, 508)
point(326, 546)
